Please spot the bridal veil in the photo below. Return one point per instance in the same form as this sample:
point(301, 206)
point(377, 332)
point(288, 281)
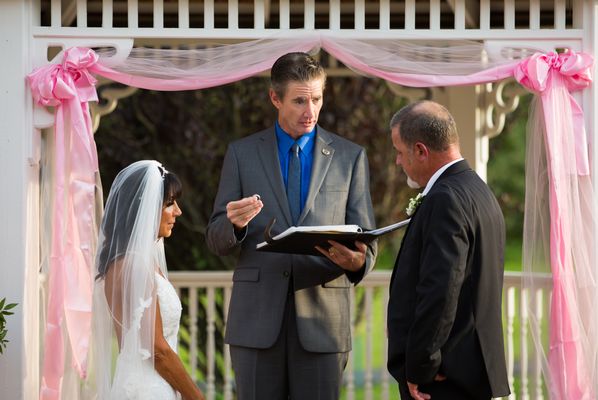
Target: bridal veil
point(129, 255)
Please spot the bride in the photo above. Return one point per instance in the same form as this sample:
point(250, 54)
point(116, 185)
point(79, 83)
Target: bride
point(136, 309)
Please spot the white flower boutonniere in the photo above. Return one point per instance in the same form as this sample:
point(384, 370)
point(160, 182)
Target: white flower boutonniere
point(414, 202)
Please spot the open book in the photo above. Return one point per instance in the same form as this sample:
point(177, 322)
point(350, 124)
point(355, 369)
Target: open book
point(304, 239)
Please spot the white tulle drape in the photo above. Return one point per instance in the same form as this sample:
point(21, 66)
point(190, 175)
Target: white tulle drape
point(569, 351)
point(411, 63)
point(559, 221)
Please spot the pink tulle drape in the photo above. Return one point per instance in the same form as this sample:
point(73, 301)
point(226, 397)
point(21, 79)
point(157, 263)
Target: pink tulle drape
point(571, 359)
point(69, 86)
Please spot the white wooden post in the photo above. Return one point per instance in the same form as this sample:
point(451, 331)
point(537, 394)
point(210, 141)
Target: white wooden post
point(183, 14)
point(233, 14)
point(435, 14)
point(459, 15)
point(384, 15)
point(485, 15)
point(284, 14)
point(211, 345)
point(524, 299)
point(107, 12)
point(19, 168)
point(228, 376)
point(462, 102)
point(159, 14)
point(510, 342)
point(534, 14)
point(538, 306)
point(409, 15)
point(258, 15)
point(385, 374)
point(369, 343)
point(335, 14)
point(193, 332)
point(349, 371)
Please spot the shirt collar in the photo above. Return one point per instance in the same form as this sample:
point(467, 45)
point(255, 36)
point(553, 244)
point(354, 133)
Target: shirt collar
point(285, 141)
point(437, 174)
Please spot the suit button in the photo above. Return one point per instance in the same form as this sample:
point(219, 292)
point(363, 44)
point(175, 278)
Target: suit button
point(285, 274)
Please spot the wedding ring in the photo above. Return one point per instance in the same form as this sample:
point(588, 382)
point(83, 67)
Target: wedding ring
point(331, 252)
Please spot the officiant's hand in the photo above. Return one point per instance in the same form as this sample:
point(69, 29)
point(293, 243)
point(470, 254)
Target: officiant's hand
point(240, 212)
point(344, 257)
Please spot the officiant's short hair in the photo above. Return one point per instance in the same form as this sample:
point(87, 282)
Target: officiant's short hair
point(427, 122)
point(295, 67)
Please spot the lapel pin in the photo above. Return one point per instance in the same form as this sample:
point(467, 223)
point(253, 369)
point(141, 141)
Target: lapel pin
point(326, 152)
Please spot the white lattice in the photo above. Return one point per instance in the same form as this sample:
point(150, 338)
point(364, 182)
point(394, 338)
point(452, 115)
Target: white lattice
point(234, 19)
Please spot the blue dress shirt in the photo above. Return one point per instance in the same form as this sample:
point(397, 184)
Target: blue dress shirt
point(306, 146)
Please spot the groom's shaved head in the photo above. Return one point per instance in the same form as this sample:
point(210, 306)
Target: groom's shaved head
point(427, 122)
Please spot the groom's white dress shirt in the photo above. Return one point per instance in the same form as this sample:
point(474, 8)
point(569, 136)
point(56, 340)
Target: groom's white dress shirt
point(437, 174)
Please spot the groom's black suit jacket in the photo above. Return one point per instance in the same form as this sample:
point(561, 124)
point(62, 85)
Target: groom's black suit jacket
point(444, 311)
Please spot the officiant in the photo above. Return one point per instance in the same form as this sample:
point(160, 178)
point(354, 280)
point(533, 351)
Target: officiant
point(289, 317)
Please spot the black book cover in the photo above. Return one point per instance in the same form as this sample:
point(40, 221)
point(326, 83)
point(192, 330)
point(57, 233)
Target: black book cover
point(304, 239)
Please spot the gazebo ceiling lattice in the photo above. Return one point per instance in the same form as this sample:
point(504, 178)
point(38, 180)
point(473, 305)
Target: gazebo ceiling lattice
point(322, 21)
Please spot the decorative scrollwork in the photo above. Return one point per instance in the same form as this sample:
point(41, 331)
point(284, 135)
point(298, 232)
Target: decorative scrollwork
point(412, 94)
point(109, 93)
point(498, 100)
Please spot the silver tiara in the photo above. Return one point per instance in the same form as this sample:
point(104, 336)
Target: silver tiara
point(163, 171)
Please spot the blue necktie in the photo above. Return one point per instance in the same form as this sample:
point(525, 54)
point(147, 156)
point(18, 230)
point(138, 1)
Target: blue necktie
point(294, 183)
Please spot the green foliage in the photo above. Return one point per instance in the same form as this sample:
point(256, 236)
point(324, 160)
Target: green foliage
point(506, 169)
point(4, 312)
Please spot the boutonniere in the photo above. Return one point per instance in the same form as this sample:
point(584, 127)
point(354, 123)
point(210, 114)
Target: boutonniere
point(414, 202)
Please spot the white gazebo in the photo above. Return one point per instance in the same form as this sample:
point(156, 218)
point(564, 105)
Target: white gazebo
point(32, 32)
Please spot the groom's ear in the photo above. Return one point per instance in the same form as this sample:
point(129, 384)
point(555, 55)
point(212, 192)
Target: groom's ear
point(421, 151)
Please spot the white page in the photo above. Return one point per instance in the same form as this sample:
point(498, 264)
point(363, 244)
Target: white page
point(319, 228)
point(389, 228)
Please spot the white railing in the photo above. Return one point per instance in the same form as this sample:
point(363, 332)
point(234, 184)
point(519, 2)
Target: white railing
point(206, 295)
point(234, 19)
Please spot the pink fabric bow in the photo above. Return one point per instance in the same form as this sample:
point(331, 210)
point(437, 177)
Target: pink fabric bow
point(54, 83)
point(69, 87)
point(553, 77)
point(536, 71)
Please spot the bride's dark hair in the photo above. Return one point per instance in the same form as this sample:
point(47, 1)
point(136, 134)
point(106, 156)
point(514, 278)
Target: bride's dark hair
point(173, 189)
point(117, 225)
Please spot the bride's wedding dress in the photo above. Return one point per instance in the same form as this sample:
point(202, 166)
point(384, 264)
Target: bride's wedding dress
point(147, 384)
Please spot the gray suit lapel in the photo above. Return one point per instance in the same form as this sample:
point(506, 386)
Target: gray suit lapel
point(323, 153)
point(269, 156)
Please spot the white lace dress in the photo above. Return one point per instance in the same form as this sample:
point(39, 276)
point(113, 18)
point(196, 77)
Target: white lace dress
point(147, 384)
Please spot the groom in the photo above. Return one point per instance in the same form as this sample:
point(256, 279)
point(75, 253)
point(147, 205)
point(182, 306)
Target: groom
point(444, 312)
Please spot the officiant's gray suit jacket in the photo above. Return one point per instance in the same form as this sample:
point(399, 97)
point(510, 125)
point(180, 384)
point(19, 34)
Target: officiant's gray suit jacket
point(338, 194)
